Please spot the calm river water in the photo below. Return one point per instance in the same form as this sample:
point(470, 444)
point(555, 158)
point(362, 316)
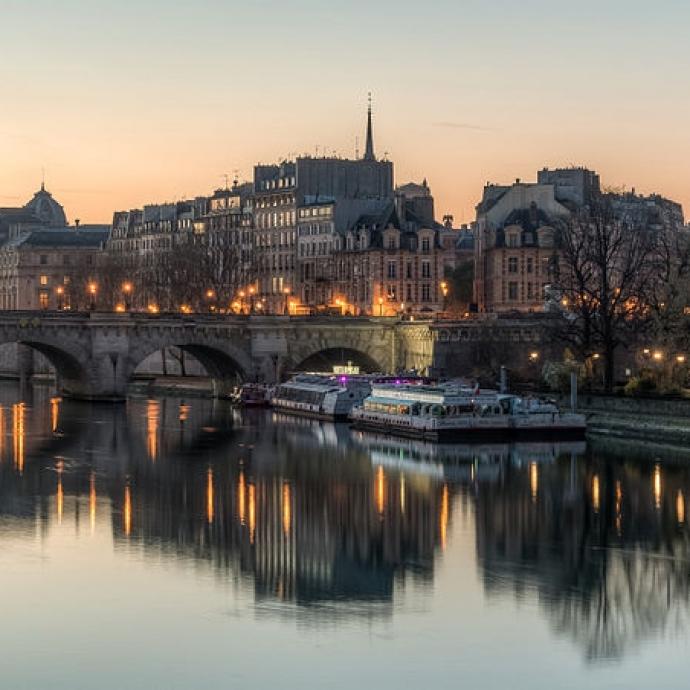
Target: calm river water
point(181, 544)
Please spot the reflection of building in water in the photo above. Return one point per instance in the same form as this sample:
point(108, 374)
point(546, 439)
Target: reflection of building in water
point(605, 546)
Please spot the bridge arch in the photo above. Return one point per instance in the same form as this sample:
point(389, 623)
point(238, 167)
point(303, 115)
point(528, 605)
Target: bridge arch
point(226, 365)
point(324, 359)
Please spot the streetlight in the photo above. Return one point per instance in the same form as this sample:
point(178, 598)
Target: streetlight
point(444, 292)
point(127, 288)
point(534, 356)
point(59, 291)
point(380, 306)
point(93, 289)
point(210, 296)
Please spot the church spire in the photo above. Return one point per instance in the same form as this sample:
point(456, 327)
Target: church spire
point(369, 151)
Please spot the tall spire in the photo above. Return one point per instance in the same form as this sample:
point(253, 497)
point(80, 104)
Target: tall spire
point(369, 151)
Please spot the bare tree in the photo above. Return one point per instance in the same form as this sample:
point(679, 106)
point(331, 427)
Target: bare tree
point(606, 273)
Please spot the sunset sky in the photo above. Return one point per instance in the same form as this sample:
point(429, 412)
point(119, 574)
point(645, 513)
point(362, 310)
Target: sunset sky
point(136, 101)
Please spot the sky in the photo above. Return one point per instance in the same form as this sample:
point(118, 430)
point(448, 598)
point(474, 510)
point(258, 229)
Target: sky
point(128, 102)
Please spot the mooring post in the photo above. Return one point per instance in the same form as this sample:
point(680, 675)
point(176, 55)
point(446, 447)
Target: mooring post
point(573, 391)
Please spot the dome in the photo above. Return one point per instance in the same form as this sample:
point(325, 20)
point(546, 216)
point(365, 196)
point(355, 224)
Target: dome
point(47, 209)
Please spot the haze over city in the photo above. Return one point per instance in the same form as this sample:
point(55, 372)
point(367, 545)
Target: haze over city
point(123, 104)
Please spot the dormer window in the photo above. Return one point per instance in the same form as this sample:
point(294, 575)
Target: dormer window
point(391, 242)
point(513, 240)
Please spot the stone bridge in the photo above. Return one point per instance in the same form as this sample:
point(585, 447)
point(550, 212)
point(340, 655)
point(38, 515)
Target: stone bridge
point(96, 354)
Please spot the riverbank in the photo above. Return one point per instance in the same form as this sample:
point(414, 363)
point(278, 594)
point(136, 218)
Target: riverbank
point(662, 421)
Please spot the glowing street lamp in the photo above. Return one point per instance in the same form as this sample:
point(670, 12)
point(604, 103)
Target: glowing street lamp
point(60, 291)
point(93, 289)
point(534, 356)
point(380, 306)
point(127, 288)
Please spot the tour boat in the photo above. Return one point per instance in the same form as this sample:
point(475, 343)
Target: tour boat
point(332, 396)
point(321, 396)
point(456, 411)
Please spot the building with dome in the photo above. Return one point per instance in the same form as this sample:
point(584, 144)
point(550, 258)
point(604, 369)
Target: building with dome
point(40, 212)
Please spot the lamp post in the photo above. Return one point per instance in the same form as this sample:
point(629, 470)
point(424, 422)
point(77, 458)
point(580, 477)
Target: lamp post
point(380, 306)
point(127, 288)
point(210, 296)
point(60, 291)
point(93, 289)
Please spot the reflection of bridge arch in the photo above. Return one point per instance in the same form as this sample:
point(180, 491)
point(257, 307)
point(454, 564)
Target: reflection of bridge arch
point(326, 359)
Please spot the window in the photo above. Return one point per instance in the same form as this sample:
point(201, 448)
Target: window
point(425, 244)
point(512, 240)
point(44, 259)
point(409, 297)
point(391, 242)
point(512, 291)
point(43, 299)
point(43, 280)
point(426, 293)
point(392, 293)
point(530, 265)
point(512, 264)
point(391, 269)
point(426, 269)
point(408, 270)
point(530, 292)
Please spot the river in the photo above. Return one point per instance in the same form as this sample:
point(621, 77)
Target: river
point(174, 543)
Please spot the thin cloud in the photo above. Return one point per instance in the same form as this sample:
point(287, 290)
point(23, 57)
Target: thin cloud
point(463, 125)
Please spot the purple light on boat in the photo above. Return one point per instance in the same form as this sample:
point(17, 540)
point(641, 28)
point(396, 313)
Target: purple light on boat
point(343, 379)
point(398, 382)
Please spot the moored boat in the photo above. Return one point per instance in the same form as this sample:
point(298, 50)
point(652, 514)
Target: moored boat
point(331, 396)
point(251, 395)
point(455, 411)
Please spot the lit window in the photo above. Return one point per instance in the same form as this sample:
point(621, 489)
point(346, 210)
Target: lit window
point(44, 280)
point(43, 299)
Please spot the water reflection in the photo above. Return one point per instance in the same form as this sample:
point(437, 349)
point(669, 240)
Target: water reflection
point(314, 514)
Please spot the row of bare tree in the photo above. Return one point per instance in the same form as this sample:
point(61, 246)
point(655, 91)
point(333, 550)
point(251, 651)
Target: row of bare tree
point(192, 275)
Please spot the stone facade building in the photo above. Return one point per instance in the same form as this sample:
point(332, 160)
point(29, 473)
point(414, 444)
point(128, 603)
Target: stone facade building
point(384, 270)
point(50, 268)
point(516, 240)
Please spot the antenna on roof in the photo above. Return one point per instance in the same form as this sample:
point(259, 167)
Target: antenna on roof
point(225, 177)
point(43, 179)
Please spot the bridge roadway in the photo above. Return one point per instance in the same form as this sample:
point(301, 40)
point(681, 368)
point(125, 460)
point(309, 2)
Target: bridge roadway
point(95, 354)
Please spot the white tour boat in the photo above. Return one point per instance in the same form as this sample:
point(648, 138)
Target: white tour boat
point(457, 411)
point(321, 395)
